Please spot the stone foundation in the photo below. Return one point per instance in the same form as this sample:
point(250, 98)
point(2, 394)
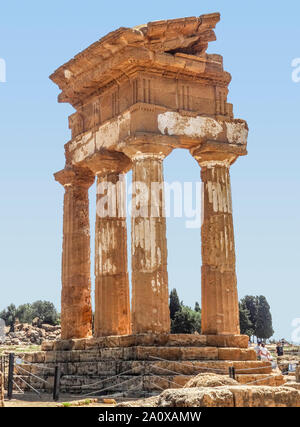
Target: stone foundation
point(161, 340)
point(144, 363)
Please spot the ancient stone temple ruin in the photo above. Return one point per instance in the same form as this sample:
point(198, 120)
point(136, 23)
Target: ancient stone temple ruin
point(140, 93)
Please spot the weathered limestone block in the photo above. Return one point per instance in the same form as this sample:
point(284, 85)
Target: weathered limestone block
point(292, 384)
point(156, 382)
point(240, 341)
point(79, 344)
point(76, 308)
point(264, 396)
point(198, 353)
point(197, 397)
point(298, 374)
point(90, 355)
point(181, 340)
point(47, 346)
point(152, 340)
point(210, 380)
point(168, 340)
point(94, 343)
point(63, 356)
point(236, 354)
point(63, 345)
point(261, 379)
point(229, 396)
point(255, 367)
point(126, 340)
point(176, 353)
point(150, 402)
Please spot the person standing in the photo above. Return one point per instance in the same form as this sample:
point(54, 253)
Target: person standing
point(258, 349)
point(279, 349)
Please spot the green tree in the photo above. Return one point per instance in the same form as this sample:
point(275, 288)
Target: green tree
point(186, 321)
point(250, 302)
point(197, 307)
point(175, 305)
point(9, 316)
point(46, 312)
point(245, 322)
point(264, 327)
point(25, 313)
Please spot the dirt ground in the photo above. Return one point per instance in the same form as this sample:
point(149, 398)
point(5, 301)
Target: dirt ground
point(33, 400)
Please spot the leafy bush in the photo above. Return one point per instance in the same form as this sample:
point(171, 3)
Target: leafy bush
point(45, 311)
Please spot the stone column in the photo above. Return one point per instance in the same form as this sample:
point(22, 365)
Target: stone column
point(220, 311)
point(76, 308)
point(112, 302)
point(150, 298)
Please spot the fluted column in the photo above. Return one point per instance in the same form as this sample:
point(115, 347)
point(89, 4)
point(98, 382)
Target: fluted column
point(220, 311)
point(76, 308)
point(150, 298)
point(112, 302)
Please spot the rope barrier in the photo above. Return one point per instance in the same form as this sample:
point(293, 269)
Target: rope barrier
point(223, 371)
point(29, 385)
point(106, 379)
point(167, 370)
point(261, 379)
point(20, 390)
point(119, 384)
point(36, 365)
point(155, 385)
point(252, 369)
point(113, 386)
point(35, 376)
point(173, 382)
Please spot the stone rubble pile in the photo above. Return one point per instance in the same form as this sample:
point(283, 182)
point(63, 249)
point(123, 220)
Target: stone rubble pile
point(209, 380)
point(26, 334)
point(224, 396)
point(285, 361)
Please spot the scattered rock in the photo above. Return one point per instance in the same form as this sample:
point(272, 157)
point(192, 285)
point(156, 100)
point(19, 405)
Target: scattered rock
point(210, 380)
point(149, 402)
point(225, 396)
point(26, 334)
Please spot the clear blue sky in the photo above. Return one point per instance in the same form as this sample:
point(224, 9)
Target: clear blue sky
point(258, 40)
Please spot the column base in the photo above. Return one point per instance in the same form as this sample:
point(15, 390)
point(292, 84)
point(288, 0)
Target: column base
point(150, 340)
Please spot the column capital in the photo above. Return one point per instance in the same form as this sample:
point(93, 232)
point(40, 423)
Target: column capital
point(143, 151)
point(214, 153)
point(105, 162)
point(75, 176)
